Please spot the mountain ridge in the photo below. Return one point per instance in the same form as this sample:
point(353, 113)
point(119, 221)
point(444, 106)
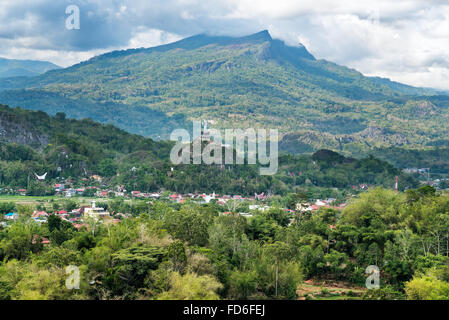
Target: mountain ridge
point(24, 68)
point(251, 81)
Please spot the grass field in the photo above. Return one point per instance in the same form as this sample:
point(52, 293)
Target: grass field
point(44, 199)
point(310, 290)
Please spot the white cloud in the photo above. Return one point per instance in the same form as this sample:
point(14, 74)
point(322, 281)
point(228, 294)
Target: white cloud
point(143, 37)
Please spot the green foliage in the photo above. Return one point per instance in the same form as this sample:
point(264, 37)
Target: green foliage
point(107, 167)
point(176, 252)
point(7, 207)
point(387, 293)
point(375, 209)
point(22, 281)
point(428, 286)
point(191, 251)
point(242, 285)
point(191, 287)
point(190, 224)
point(19, 241)
point(130, 267)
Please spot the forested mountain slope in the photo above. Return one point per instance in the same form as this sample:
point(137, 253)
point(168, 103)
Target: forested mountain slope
point(252, 81)
point(31, 142)
point(24, 68)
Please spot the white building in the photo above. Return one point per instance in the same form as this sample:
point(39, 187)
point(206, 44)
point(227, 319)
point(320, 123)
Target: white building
point(95, 212)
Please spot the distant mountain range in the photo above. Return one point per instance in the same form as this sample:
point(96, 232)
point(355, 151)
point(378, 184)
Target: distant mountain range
point(253, 81)
point(24, 68)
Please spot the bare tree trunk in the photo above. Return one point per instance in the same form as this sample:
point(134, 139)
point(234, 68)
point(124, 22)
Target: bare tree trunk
point(447, 244)
point(277, 279)
point(424, 247)
point(438, 239)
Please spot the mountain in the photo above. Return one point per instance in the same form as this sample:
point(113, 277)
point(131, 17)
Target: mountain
point(253, 81)
point(31, 142)
point(24, 68)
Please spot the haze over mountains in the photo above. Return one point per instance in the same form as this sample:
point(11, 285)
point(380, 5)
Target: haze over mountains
point(252, 81)
point(24, 68)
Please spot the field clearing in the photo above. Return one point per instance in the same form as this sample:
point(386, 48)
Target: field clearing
point(311, 290)
point(32, 200)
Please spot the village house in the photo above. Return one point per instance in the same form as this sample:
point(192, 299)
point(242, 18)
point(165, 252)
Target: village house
point(39, 214)
point(42, 240)
point(11, 216)
point(76, 212)
point(253, 207)
point(95, 212)
point(80, 190)
point(324, 204)
point(207, 198)
point(136, 194)
point(96, 178)
point(246, 214)
point(176, 198)
point(58, 187)
point(79, 226)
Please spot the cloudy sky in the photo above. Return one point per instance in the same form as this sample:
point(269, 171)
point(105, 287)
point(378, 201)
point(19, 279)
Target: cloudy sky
point(405, 40)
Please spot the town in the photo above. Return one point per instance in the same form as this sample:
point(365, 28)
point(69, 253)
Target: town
point(90, 211)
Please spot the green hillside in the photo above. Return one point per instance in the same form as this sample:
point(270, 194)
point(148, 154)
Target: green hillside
point(253, 81)
point(24, 68)
point(31, 142)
